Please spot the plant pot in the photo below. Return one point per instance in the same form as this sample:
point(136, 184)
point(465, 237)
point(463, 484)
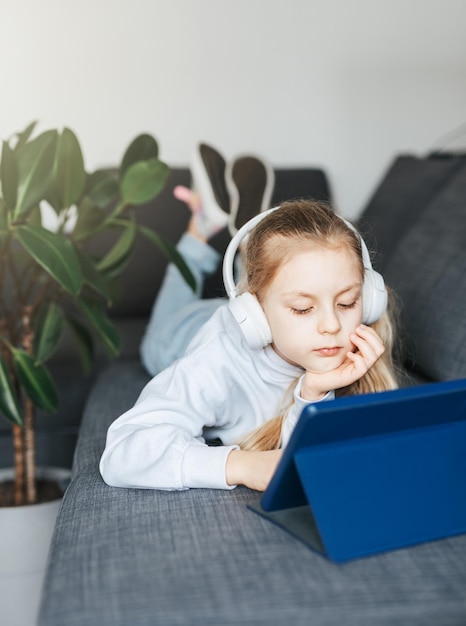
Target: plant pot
point(25, 534)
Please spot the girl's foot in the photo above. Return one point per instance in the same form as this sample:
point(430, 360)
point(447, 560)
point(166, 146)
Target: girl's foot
point(193, 202)
point(208, 176)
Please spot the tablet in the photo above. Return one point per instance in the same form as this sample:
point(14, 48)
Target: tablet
point(353, 463)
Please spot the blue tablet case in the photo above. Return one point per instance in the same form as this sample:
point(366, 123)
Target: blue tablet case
point(370, 473)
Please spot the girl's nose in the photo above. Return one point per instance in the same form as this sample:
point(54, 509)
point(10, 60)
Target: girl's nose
point(329, 322)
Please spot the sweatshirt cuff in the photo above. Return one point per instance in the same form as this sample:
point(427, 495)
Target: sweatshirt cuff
point(198, 252)
point(330, 395)
point(296, 409)
point(205, 466)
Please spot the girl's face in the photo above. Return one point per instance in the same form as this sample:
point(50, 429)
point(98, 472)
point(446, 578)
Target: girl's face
point(313, 305)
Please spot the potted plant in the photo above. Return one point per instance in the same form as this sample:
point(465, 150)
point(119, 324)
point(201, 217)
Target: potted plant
point(52, 277)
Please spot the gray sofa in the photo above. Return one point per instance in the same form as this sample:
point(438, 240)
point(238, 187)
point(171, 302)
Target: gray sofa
point(136, 557)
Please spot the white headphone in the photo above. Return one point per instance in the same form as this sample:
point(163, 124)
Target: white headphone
point(248, 312)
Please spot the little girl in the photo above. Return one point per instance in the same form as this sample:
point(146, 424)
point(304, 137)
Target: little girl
point(303, 329)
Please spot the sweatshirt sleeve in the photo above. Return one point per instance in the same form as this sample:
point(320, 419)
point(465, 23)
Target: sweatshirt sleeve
point(295, 411)
point(158, 443)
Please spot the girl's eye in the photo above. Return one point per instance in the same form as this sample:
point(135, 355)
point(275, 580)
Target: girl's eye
point(302, 311)
point(347, 306)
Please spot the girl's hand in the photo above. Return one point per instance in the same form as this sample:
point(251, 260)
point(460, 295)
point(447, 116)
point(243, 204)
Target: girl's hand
point(369, 348)
point(252, 469)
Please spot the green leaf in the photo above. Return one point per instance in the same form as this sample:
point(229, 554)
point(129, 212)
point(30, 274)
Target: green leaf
point(9, 176)
point(69, 175)
point(120, 251)
point(36, 381)
point(142, 181)
point(90, 220)
point(35, 170)
point(84, 342)
point(34, 216)
point(9, 404)
point(104, 328)
point(92, 277)
point(142, 148)
point(47, 332)
point(102, 188)
point(23, 136)
point(3, 224)
point(3, 216)
point(54, 253)
point(171, 253)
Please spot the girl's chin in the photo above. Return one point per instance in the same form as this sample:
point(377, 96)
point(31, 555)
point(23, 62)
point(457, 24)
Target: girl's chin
point(323, 367)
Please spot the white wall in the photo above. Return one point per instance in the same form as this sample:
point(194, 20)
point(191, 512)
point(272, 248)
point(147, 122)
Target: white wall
point(342, 84)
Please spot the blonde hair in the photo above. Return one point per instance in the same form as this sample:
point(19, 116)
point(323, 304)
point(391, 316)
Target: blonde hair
point(276, 239)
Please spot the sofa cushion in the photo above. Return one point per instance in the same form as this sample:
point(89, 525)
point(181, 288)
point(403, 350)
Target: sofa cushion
point(427, 269)
point(200, 557)
point(400, 199)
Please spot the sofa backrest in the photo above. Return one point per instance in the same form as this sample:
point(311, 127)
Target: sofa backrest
point(141, 279)
point(418, 219)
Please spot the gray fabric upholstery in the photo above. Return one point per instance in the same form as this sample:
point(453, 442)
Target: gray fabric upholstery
point(427, 269)
point(400, 199)
point(123, 557)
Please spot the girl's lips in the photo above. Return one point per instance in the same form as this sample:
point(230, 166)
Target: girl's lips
point(329, 351)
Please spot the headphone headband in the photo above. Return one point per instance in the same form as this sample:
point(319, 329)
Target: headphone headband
point(243, 232)
point(230, 252)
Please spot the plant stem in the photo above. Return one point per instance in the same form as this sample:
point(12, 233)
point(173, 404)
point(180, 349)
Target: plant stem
point(18, 452)
point(17, 433)
point(29, 452)
point(29, 437)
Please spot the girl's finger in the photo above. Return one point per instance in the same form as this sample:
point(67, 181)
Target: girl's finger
point(369, 334)
point(365, 357)
point(366, 337)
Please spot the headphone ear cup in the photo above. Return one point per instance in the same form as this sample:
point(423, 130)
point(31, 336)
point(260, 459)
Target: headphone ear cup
point(251, 319)
point(374, 296)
